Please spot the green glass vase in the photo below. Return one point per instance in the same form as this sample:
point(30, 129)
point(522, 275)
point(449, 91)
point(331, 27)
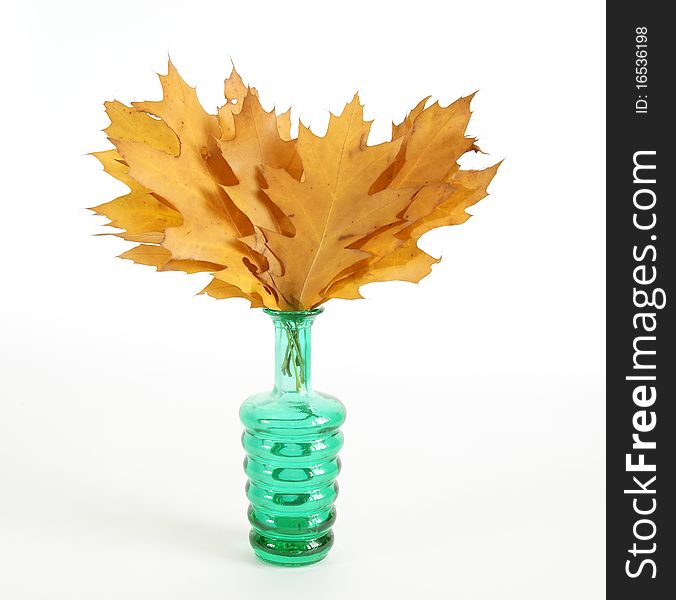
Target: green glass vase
point(292, 438)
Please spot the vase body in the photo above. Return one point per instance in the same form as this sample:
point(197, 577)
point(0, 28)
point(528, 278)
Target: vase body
point(292, 438)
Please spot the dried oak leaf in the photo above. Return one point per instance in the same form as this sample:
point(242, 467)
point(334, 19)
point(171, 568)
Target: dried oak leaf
point(434, 140)
point(331, 206)
point(285, 223)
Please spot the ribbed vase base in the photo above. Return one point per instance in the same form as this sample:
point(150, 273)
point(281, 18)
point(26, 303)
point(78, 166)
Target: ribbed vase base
point(289, 552)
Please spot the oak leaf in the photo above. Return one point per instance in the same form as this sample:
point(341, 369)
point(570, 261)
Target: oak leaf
point(284, 222)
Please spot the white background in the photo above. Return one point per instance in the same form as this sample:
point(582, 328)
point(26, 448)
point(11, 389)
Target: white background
point(473, 464)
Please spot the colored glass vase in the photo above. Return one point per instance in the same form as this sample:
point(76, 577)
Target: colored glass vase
point(292, 438)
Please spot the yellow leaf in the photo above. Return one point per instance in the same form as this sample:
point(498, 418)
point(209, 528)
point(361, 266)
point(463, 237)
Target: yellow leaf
point(406, 263)
point(284, 223)
point(153, 256)
point(192, 181)
point(331, 207)
point(397, 256)
point(435, 141)
point(470, 186)
point(139, 213)
point(257, 142)
point(221, 290)
point(160, 258)
point(114, 165)
point(130, 123)
point(142, 214)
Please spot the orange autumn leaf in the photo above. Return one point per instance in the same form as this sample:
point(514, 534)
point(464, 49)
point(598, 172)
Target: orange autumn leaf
point(286, 223)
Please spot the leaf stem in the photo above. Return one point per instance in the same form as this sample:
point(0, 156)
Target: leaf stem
point(293, 356)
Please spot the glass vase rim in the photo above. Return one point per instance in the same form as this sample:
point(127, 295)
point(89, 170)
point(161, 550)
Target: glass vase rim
point(291, 314)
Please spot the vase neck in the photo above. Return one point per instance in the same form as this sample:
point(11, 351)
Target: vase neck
point(293, 359)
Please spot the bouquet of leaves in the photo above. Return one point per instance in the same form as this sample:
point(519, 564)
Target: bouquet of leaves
point(287, 223)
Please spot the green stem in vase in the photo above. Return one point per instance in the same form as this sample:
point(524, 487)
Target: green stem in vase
point(293, 357)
